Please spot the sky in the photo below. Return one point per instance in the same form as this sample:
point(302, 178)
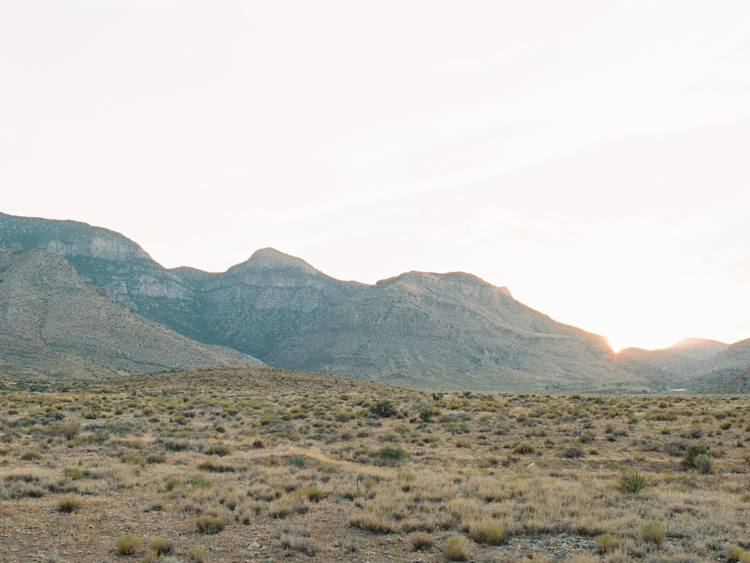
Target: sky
point(590, 156)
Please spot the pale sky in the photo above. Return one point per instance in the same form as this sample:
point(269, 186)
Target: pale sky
point(593, 157)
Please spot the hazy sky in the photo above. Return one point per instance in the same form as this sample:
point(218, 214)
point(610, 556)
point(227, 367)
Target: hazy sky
point(593, 157)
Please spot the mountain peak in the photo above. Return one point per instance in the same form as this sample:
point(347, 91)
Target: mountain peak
point(272, 259)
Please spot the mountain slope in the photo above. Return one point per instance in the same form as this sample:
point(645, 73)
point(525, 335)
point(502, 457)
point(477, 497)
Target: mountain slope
point(54, 323)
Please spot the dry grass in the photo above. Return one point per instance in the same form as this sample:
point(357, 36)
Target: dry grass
point(324, 467)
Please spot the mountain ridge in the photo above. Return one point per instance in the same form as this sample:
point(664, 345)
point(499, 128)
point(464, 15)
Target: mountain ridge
point(417, 328)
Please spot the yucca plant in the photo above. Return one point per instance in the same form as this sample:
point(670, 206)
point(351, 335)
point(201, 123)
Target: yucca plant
point(632, 483)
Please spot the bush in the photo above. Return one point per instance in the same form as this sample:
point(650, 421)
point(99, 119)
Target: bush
point(31, 455)
point(392, 454)
point(297, 461)
point(150, 557)
point(210, 524)
point(653, 532)
point(420, 541)
point(573, 452)
point(155, 458)
point(383, 409)
point(632, 483)
point(173, 482)
point(606, 542)
point(161, 546)
point(457, 548)
point(198, 553)
point(488, 534)
point(704, 464)
point(734, 553)
point(69, 504)
point(523, 448)
point(218, 449)
point(426, 413)
point(693, 451)
point(127, 544)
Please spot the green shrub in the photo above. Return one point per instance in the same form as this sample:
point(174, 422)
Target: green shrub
point(218, 449)
point(210, 524)
point(173, 482)
point(427, 413)
point(524, 448)
point(132, 459)
point(31, 455)
point(198, 553)
point(734, 553)
point(392, 454)
point(384, 409)
point(202, 483)
point(155, 458)
point(69, 504)
point(75, 473)
point(693, 451)
point(632, 483)
point(127, 544)
point(488, 534)
point(150, 557)
point(704, 464)
point(606, 542)
point(162, 546)
point(653, 532)
point(297, 461)
point(457, 548)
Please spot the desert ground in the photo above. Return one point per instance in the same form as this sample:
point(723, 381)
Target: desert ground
point(264, 464)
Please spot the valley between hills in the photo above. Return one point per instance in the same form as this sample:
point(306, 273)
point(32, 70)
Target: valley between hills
point(273, 413)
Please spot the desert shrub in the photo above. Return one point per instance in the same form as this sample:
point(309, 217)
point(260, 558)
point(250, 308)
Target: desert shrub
point(155, 458)
point(420, 541)
point(693, 451)
point(75, 474)
point(69, 504)
point(704, 464)
point(392, 454)
point(127, 544)
point(212, 464)
point(210, 524)
point(488, 534)
point(734, 553)
point(606, 542)
point(457, 548)
point(198, 554)
point(67, 429)
point(132, 459)
point(427, 413)
point(150, 557)
point(305, 545)
point(161, 546)
point(218, 449)
point(297, 461)
point(573, 452)
point(173, 482)
point(31, 455)
point(524, 448)
point(202, 483)
point(632, 483)
point(383, 409)
point(653, 532)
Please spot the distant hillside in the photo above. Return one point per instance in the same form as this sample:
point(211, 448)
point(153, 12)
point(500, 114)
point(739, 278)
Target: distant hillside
point(53, 323)
point(417, 329)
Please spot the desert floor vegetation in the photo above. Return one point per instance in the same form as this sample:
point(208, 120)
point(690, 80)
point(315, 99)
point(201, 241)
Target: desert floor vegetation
point(225, 465)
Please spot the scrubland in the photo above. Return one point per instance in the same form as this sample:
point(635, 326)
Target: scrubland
point(261, 464)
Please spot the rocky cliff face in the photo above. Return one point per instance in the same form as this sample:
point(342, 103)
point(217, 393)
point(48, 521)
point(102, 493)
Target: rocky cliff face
point(54, 323)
